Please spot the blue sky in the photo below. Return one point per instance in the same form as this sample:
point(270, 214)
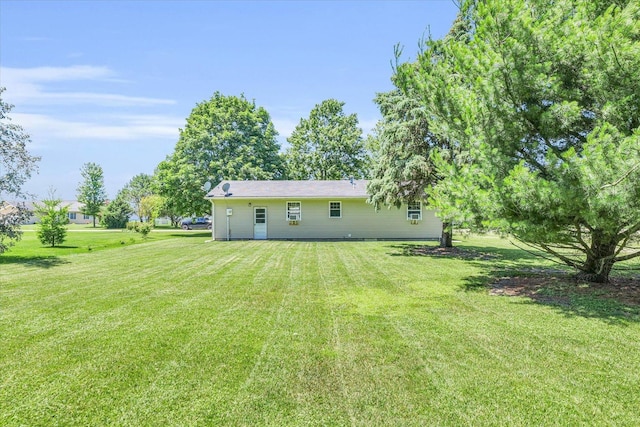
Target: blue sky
point(111, 82)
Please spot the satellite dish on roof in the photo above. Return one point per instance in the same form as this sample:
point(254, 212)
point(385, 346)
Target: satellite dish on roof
point(207, 186)
point(225, 187)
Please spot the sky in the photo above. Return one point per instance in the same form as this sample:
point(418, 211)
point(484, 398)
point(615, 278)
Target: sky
point(112, 82)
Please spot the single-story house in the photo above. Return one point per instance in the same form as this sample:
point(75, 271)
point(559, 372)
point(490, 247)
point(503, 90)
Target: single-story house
point(74, 213)
point(312, 210)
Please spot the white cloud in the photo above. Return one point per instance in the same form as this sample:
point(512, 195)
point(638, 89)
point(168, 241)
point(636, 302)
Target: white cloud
point(113, 128)
point(52, 109)
point(48, 74)
point(32, 86)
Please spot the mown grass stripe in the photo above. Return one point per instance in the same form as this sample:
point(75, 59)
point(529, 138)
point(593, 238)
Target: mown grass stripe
point(179, 331)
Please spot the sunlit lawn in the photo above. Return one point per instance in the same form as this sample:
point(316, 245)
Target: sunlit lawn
point(176, 331)
point(81, 238)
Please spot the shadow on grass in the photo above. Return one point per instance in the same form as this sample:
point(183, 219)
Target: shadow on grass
point(476, 253)
point(189, 234)
point(511, 272)
point(617, 302)
point(37, 261)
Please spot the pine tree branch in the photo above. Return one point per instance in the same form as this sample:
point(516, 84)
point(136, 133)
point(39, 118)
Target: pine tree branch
point(622, 178)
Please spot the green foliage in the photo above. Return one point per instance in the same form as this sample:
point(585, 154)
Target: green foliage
point(11, 217)
point(53, 219)
point(116, 213)
point(169, 209)
point(133, 225)
point(151, 207)
point(143, 228)
point(136, 190)
point(328, 145)
point(91, 191)
point(404, 170)
point(16, 164)
point(544, 97)
point(226, 137)
point(16, 167)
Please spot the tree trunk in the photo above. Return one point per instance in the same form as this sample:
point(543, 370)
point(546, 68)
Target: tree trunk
point(446, 239)
point(599, 262)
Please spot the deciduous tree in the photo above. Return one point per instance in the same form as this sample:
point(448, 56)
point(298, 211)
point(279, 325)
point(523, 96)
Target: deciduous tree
point(151, 207)
point(16, 167)
point(137, 189)
point(328, 145)
point(226, 137)
point(91, 191)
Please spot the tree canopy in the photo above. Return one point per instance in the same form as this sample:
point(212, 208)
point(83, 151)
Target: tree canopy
point(544, 96)
point(403, 170)
point(54, 217)
point(16, 167)
point(116, 213)
point(91, 191)
point(226, 137)
point(328, 145)
point(139, 187)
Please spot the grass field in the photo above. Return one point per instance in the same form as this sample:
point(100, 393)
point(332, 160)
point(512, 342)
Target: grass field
point(79, 239)
point(176, 331)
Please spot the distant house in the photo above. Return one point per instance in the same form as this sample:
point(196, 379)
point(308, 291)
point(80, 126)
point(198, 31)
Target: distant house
point(312, 210)
point(7, 209)
point(75, 215)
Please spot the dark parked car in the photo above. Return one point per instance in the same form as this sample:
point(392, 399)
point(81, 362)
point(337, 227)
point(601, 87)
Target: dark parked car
point(196, 224)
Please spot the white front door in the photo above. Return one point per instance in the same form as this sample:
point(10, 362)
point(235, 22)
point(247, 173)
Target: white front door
point(259, 223)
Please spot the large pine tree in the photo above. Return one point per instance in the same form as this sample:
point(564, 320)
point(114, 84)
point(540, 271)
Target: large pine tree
point(544, 96)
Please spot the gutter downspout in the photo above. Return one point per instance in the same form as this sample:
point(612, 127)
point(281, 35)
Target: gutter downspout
point(213, 220)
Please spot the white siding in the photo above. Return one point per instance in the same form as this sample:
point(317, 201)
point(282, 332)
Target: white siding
point(359, 221)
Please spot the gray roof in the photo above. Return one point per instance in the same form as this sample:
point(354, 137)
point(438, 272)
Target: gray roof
point(291, 189)
point(72, 205)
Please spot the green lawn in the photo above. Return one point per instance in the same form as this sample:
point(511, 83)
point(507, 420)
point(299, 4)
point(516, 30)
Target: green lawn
point(81, 239)
point(177, 331)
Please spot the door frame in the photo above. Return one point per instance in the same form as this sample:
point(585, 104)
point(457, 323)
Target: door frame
point(255, 209)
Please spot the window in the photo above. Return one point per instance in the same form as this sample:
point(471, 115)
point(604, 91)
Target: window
point(335, 209)
point(414, 210)
point(294, 211)
point(260, 216)
point(72, 215)
point(85, 216)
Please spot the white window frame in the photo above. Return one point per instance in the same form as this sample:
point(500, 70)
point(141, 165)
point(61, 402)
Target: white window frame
point(339, 209)
point(72, 215)
point(413, 209)
point(290, 211)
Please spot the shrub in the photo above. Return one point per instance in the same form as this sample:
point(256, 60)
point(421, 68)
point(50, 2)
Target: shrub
point(116, 214)
point(52, 228)
point(144, 228)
